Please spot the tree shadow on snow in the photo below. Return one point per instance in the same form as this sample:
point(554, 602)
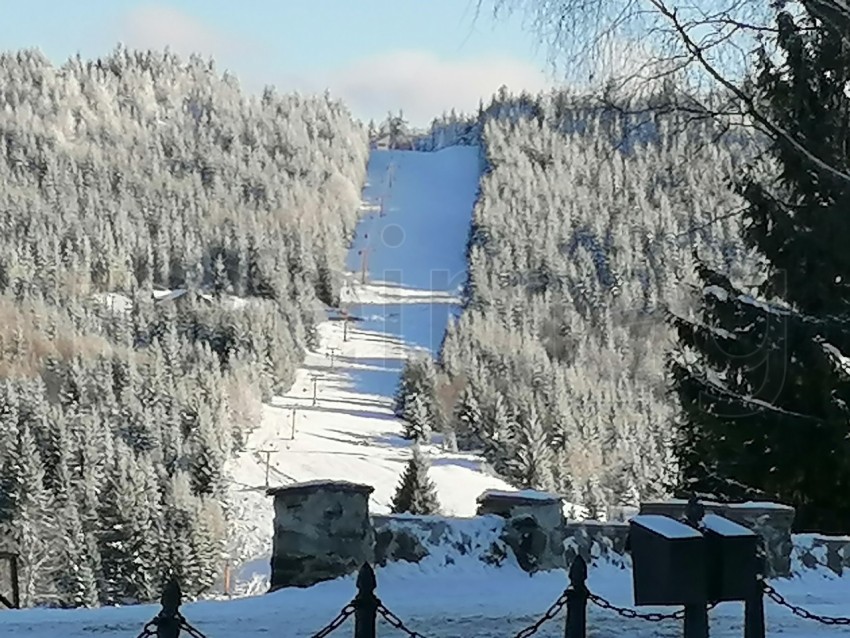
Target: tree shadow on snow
point(468, 464)
point(386, 439)
point(363, 403)
point(386, 363)
point(377, 382)
point(365, 414)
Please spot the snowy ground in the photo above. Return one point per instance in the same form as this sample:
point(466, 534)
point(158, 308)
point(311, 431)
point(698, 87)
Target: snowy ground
point(415, 268)
point(418, 208)
point(465, 600)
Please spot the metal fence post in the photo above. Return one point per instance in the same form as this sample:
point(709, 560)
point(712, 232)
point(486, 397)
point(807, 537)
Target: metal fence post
point(696, 621)
point(168, 620)
point(16, 583)
point(366, 604)
point(577, 596)
point(754, 604)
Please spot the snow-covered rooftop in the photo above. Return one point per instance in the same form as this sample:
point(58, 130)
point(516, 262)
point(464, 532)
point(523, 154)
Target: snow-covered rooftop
point(724, 526)
point(665, 526)
point(519, 495)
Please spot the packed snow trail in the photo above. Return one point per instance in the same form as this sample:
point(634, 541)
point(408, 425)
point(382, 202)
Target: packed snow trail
point(411, 241)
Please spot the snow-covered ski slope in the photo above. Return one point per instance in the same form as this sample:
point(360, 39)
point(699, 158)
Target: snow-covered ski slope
point(416, 220)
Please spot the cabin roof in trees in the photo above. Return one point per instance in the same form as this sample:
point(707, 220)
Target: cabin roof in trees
point(162, 296)
point(320, 485)
point(520, 497)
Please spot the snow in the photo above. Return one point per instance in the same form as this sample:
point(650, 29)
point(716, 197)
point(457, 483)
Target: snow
point(841, 359)
point(464, 598)
point(761, 505)
point(416, 263)
point(665, 526)
point(722, 295)
point(114, 301)
point(339, 485)
point(528, 495)
point(724, 526)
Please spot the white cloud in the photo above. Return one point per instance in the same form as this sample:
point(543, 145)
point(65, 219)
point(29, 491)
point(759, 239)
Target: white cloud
point(419, 82)
point(153, 26)
point(424, 85)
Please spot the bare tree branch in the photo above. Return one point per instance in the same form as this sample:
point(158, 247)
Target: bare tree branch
point(752, 109)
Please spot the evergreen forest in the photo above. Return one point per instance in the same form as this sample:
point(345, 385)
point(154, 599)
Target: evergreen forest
point(588, 228)
point(167, 245)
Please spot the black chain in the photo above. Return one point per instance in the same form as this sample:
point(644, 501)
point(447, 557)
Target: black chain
point(189, 629)
point(553, 611)
point(148, 630)
point(625, 612)
point(335, 624)
point(776, 597)
point(396, 622)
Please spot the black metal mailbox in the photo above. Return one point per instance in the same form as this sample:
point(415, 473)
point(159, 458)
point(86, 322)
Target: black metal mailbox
point(668, 562)
point(733, 563)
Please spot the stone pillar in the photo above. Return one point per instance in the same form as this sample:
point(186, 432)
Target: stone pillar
point(580, 538)
point(534, 526)
point(771, 521)
point(322, 531)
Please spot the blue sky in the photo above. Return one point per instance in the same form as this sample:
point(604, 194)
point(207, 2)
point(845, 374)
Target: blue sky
point(420, 55)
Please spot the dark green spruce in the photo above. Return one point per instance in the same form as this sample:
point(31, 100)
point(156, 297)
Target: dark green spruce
point(765, 402)
point(416, 493)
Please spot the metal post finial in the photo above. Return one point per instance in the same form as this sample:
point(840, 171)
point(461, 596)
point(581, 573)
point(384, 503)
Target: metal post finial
point(366, 580)
point(694, 511)
point(578, 571)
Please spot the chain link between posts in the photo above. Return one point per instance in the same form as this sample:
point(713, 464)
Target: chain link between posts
point(553, 611)
point(344, 614)
point(625, 612)
point(798, 611)
point(150, 629)
point(396, 622)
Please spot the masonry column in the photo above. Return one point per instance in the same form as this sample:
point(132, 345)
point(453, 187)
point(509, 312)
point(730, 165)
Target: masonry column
point(534, 526)
point(322, 531)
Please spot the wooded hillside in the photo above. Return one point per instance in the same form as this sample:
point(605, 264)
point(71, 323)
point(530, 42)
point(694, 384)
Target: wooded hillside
point(120, 176)
point(584, 232)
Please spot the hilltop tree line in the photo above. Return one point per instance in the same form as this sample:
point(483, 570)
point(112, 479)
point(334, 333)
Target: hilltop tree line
point(124, 177)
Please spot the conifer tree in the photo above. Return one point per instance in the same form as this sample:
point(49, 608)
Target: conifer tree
point(418, 377)
point(765, 403)
point(531, 467)
point(417, 420)
point(468, 418)
point(76, 583)
point(416, 494)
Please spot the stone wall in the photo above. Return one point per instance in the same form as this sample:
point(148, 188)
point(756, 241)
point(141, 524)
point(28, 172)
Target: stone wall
point(593, 540)
point(322, 531)
point(814, 551)
point(403, 537)
point(534, 526)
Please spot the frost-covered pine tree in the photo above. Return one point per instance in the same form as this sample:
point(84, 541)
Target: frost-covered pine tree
point(532, 464)
point(418, 377)
point(467, 418)
point(417, 419)
point(416, 493)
